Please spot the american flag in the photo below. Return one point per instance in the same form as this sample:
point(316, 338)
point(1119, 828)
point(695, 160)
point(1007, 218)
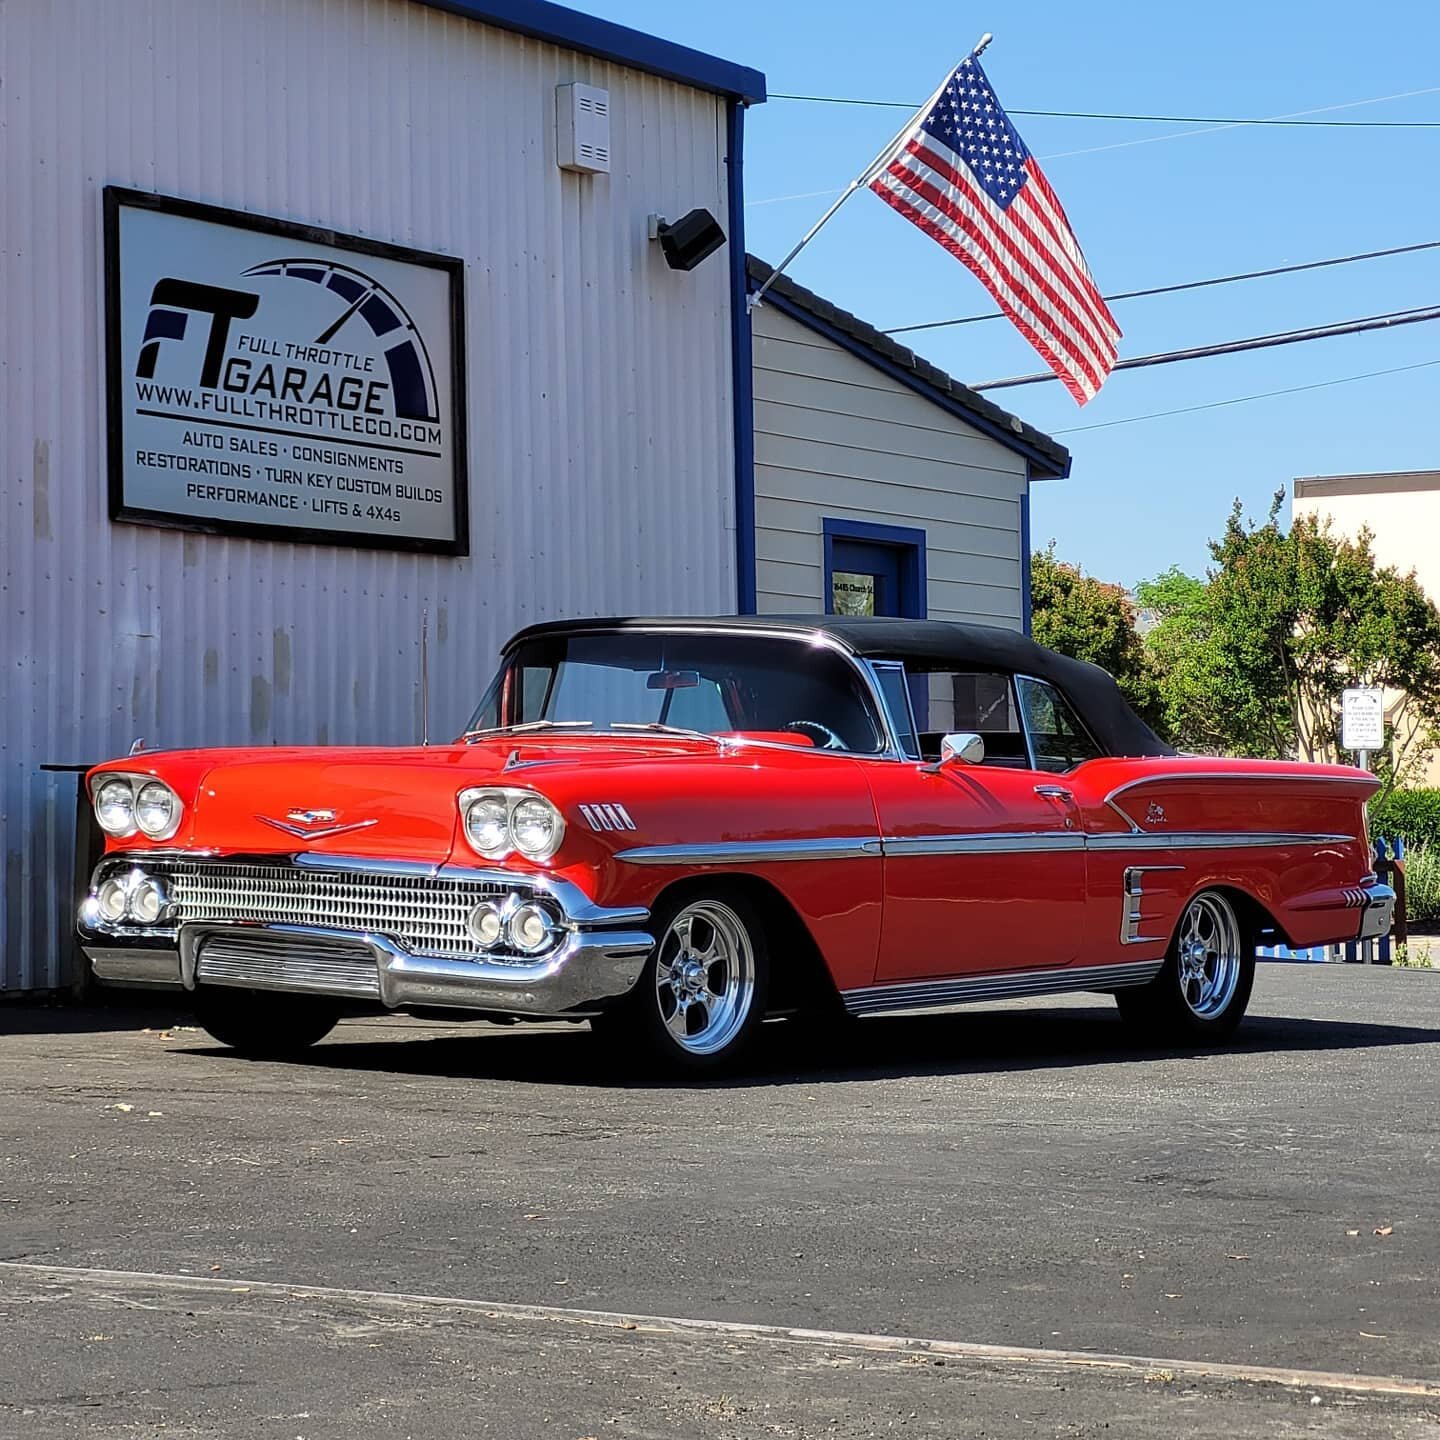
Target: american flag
point(965, 177)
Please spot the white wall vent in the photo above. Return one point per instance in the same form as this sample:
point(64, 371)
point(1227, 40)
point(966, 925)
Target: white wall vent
point(582, 128)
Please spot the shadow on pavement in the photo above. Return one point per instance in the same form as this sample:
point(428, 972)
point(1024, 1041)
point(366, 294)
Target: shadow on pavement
point(876, 1049)
point(132, 1010)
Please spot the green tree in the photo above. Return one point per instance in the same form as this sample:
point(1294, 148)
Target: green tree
point(1253, 660)
point(1194, 694)
point(1089, 619)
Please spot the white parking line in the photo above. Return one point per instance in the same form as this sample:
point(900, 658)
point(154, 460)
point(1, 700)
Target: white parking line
point(962, 1350)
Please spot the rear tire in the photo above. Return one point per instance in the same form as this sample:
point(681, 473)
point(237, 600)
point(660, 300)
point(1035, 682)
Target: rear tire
point(702, 995)
point(1203, 988)
point(263, 1025)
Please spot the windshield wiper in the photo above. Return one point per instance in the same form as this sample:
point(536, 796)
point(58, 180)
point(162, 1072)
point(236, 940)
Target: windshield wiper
point(527, 725)
point(659, 727)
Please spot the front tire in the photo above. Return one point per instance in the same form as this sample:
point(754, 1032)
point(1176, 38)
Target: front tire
point(703, 992)
point(263, 1025)
point(1203, 988)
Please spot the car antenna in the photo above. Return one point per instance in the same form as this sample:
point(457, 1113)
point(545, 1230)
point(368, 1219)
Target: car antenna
point(425, 676)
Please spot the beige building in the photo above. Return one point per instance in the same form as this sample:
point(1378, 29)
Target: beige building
point(1402, 512)
point(883, 486)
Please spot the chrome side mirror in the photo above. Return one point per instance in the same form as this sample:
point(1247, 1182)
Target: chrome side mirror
point(965, 748)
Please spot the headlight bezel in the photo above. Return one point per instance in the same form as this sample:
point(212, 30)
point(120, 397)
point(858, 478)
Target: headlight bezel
point(134, 785)
point(509, 844)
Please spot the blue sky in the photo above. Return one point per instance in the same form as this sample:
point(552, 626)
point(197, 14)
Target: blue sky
point(1147, 495)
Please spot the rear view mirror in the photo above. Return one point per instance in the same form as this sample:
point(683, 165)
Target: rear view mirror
point(673, 680)
point(962, 749)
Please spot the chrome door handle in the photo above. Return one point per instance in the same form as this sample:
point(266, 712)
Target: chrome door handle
point(1055, 792)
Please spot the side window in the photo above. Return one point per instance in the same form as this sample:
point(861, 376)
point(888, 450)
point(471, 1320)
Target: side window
point(980, 702)
point(1059, 741)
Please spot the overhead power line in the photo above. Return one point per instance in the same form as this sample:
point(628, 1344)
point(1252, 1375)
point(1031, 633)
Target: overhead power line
point(1234, 347)
point(1245, 399)
point(1191, 284)
point(1162, 119)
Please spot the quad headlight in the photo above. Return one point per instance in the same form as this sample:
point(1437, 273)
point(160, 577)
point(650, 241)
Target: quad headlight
point(516, 923)
point(131, 897)
point(127, 804)
point(115, 806)
point(501, 822)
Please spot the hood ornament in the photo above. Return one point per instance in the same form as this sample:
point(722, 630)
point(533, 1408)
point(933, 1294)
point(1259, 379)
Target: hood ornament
point(313, 824)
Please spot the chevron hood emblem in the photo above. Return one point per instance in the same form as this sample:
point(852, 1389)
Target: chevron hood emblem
point(313, 824)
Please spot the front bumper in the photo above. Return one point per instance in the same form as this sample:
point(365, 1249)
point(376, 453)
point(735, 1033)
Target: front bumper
point(1378, 915)
point(597, 956)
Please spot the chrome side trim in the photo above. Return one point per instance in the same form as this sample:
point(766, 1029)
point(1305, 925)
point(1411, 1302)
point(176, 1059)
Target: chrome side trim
point(757, 852)
point(930, 994)
point(1001, 843)
point(1132, 917)
point(989, 843)
point(1205, 840)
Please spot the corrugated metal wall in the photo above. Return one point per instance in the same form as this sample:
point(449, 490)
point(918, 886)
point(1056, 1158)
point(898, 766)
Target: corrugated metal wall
point(599, 398)
point(837, 437)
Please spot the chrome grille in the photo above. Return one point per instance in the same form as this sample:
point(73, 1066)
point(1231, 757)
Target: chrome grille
point(265, 961)
point(423, 914)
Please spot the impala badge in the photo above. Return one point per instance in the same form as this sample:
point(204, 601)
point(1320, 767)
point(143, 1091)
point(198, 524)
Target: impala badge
point(1155, 815)
point(313, 824)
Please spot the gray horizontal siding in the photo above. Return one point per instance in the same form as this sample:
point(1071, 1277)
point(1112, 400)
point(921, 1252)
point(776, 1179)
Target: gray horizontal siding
point(837, 437)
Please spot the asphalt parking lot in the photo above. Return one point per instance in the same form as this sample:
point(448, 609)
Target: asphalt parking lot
point(409, 1233)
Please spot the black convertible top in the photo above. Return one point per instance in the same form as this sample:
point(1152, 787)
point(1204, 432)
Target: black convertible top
point(1091, 690)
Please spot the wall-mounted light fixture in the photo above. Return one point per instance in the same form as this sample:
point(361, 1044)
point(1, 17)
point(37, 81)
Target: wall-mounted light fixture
point(689, 240)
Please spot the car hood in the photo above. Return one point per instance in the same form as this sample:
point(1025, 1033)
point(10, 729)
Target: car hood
point(391, 802)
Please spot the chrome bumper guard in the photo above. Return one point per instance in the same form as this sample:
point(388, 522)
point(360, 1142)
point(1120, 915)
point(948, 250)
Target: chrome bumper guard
point(1378, 915)
point(598, 957)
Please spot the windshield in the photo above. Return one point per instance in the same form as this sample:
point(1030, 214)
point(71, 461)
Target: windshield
point(714, 684)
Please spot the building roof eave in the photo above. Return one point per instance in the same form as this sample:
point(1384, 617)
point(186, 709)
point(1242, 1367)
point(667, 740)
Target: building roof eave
point(1047, 458)
point(559, 25)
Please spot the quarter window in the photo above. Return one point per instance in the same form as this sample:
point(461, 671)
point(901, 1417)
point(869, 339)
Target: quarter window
point(893, 686)
point(1058, 740)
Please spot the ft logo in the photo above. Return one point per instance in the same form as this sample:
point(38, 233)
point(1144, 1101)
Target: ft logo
point(172, 302)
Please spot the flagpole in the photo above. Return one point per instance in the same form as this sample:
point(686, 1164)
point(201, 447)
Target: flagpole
point(862, 179)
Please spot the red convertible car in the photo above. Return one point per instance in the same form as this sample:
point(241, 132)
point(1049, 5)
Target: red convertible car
point(675, 828)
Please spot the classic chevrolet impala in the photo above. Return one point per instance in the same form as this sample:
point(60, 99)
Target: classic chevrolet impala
point(676, 828)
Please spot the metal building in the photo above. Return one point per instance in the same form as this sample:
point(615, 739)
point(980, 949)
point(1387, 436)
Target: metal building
point(325, 320)
point(594, 415)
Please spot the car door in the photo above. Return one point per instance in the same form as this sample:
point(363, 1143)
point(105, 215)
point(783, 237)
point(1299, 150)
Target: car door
point(985, 865)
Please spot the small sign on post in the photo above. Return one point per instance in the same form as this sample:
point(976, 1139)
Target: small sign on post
point(1362, 721)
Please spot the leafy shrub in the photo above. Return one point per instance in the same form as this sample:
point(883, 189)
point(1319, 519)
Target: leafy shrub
point(1422, 884)
point(1412, 815)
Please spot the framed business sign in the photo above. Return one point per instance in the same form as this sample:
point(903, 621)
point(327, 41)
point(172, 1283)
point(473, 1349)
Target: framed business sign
point(274, 380)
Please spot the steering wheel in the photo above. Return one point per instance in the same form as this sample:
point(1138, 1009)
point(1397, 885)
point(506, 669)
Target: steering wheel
point(823, 736)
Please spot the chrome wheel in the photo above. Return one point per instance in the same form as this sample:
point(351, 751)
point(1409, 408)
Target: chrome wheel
point(1209, 955)
point(705, 977)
